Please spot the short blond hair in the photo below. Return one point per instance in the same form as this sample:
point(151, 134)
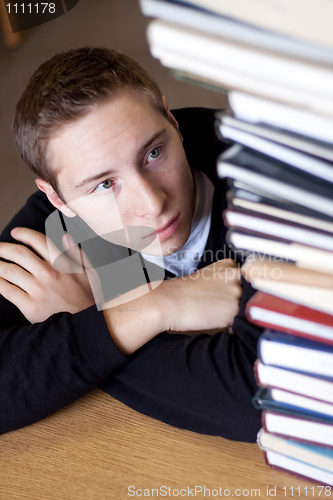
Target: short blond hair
point(65, 88)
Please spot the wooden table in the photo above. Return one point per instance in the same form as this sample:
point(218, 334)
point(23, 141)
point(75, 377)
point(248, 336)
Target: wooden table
point(99, 449)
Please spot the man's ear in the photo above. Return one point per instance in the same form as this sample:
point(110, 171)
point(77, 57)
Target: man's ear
point(170, 115)
point(54, 198)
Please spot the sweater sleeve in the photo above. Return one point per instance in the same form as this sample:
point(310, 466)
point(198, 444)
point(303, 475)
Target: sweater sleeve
point(45, 366)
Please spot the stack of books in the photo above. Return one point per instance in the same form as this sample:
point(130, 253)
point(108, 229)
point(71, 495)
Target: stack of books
point(275, 60)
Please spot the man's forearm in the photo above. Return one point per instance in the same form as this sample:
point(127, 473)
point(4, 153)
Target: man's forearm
point(133, 323)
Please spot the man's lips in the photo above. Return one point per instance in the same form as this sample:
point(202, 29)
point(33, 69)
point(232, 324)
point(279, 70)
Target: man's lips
point(167, 230)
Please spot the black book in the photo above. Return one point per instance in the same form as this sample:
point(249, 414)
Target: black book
point(277, 178)
point(258, 135)
point(277, 228)
point(257, 204)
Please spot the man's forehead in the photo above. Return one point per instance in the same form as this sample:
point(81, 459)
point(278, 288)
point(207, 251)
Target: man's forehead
point(109, 119)
point(119, 112)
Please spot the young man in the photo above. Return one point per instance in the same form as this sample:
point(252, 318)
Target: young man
point(107, 152)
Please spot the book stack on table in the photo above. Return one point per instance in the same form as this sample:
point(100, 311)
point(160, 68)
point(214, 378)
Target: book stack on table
point(275, 60)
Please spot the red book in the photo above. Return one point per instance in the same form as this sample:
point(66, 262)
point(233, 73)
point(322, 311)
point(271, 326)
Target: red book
point(279, 314)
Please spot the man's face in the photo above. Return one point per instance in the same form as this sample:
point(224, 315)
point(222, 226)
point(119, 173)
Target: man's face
point(123, 164)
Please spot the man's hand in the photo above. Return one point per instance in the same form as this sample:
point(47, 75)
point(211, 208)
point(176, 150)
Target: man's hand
point(30, 282)
point(205, 301)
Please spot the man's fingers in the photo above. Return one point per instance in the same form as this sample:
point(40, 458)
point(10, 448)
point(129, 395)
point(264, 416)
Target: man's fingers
point(44, 248)
point(12, 293)
point(34, 239)
point(21, 255)
point(16, 275)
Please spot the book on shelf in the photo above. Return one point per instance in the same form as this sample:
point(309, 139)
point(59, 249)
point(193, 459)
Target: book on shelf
point(275, 227)
point(241, 198)
point(302, 429)
point(305, 256)
point(278, 270)
point(287, 403)
point(319, 456)
point(314, 455)
point(306, 385)
point(307, 20)
point(294, 353)
point(243, 67)
point(191, 16)
point(229, 127)
point(303, 161)
point(221, 79)
point(259, 110)
point(277, 178)
point(311, 296)
point(269, 311)
point(304, 470)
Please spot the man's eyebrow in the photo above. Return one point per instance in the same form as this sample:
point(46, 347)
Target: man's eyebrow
point(95, 177)
point(150, 141)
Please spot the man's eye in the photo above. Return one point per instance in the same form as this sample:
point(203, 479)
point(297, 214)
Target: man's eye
point(154, 153)
point(103, 186)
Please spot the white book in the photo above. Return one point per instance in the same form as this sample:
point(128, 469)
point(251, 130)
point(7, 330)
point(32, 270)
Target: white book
point(279, 229)
point(280, 213)
point(238, 66)
point(306, 19)
point(292, 193)
point(309, 296)
point(229, 124)
point(304, 429)
point(264, 64)
point(298, 383)
point(308, 404)
point(313, 454)
point(257, 109)
point(191, 17)
point(302, 255)
point(304, 358)
point(297, 467)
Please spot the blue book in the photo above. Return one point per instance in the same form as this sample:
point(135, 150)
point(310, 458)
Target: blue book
point(317, 456)
point(281, 401)
point(298, 468)
point(298, 428)
point(296, 353)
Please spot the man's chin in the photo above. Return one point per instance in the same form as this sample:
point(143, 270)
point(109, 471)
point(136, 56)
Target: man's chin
point(169, 248)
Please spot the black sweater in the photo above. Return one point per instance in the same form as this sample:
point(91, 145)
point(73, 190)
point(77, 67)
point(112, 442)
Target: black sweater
point(202, 383)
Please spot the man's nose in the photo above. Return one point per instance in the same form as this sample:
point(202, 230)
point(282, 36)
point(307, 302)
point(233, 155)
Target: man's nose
point(148, 198)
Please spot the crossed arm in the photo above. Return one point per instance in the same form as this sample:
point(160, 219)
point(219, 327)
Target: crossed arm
point(206, 300)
